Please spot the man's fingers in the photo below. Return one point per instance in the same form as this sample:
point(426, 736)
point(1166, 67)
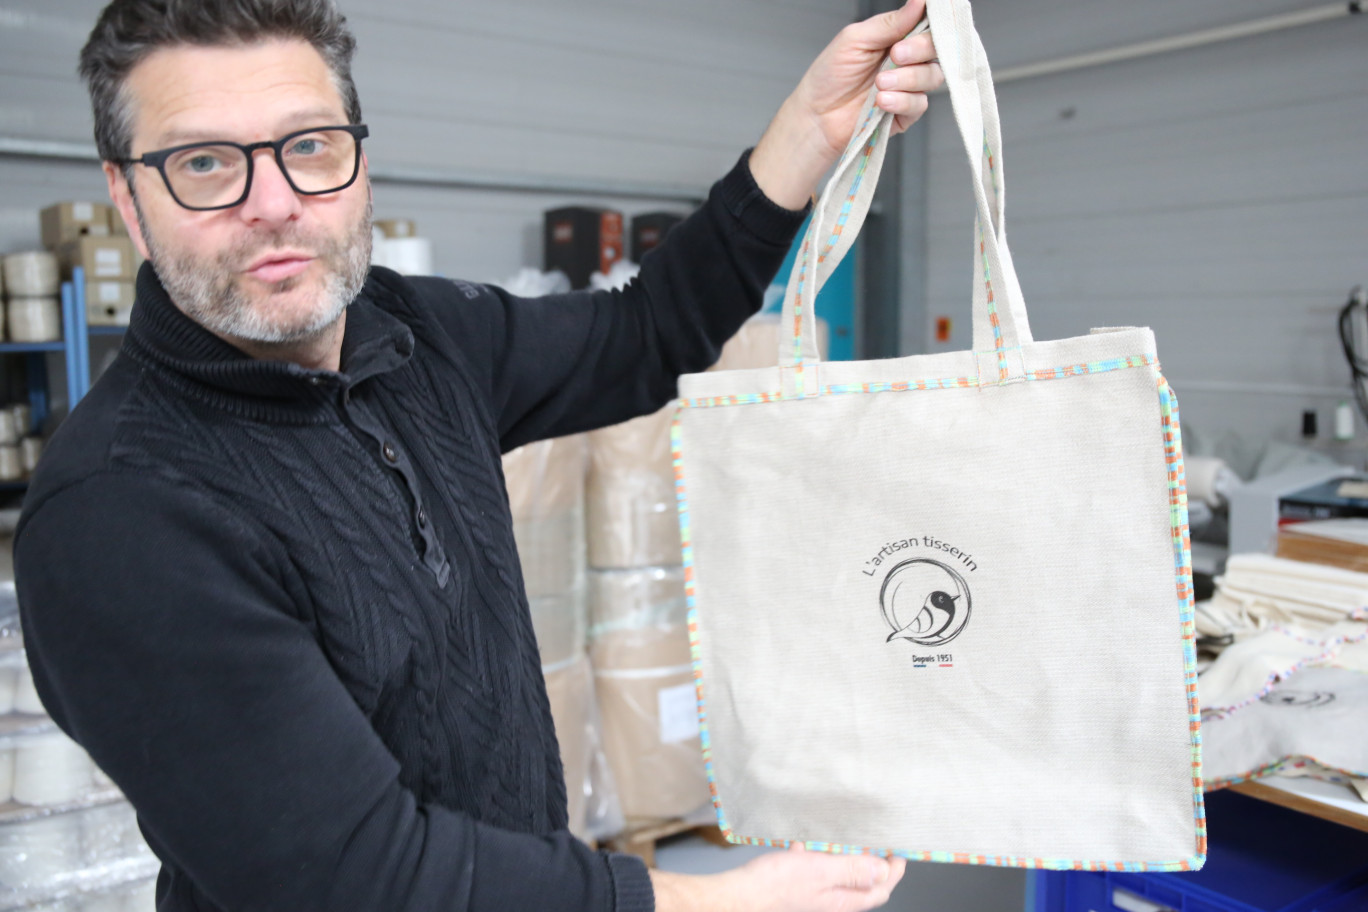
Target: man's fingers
point(914, 49)
point(864, 872)
point(909, 105)
point(883, 31)
point(924, 78)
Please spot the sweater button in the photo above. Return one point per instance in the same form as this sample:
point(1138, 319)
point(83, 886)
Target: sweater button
point(390, 453)
point(422, 517)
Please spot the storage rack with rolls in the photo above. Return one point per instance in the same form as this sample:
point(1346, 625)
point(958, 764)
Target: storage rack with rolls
point(74, 346)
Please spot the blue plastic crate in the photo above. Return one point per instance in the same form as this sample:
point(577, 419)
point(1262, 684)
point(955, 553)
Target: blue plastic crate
point(1261, 858)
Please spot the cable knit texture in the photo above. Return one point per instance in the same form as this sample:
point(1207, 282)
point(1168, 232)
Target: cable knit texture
point(283, 609)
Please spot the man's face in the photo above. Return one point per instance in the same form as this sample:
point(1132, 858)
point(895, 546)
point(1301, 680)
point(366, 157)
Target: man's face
point(279, 267)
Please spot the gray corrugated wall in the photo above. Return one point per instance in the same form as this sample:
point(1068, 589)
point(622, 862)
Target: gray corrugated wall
point(1219, 195)
point(656, 91)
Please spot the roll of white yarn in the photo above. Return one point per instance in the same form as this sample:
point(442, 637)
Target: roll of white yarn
point(26, 695)
point(11, 462)
point(410, 256)
point(22, 413)
point(6, 775)
point(30, 451)
point(51, 769)
point(34, 319)
point(31, 275)
point(9, 682)
point(9, 428)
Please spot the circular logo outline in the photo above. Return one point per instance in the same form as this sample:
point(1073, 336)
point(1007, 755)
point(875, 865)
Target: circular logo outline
point(891, 619)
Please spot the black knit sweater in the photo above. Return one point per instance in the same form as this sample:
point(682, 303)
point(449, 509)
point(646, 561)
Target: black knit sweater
point(283, 610)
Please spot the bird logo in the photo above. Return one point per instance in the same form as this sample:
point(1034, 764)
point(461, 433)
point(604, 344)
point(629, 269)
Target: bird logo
point(1306, 699)
point(925, 602)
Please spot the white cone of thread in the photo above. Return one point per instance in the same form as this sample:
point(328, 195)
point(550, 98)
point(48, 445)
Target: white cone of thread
point(9, 682)
point(26, 695)
point(31, 275)
point(11, 463)
point(142, 899)
point(409, 256)
point(9, 428)
point(51, 769)
point(30, 451)
point(22, 414)
point(6, 775)
point(34, 319)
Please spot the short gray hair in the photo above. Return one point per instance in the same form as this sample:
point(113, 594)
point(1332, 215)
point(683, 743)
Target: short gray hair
point(129, 30)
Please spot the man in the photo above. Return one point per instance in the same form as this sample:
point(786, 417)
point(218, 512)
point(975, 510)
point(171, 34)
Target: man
point(267, 571)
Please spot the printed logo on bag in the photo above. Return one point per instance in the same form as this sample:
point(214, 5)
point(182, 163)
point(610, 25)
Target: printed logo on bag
point(925, 602)
point(1304, 699)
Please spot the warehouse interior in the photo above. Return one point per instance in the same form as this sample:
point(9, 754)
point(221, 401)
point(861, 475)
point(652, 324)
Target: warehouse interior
point(1198, 169)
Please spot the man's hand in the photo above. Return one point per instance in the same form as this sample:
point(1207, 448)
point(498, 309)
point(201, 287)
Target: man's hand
point(792, 881)
point(814, 124)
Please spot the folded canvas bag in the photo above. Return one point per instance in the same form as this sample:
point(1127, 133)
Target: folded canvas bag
point(941, 605)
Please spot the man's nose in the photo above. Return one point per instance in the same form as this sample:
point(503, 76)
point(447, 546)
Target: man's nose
point(270, 198)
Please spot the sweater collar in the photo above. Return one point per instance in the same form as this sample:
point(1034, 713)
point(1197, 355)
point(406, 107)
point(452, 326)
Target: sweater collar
point(374, 343)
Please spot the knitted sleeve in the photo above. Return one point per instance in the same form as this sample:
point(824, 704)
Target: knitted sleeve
point(573, 362)
point(165, 636)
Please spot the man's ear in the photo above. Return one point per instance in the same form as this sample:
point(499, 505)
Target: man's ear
point(121, 195)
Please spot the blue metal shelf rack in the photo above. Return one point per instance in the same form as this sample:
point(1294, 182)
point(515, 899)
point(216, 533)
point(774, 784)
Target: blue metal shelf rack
point(75, 345)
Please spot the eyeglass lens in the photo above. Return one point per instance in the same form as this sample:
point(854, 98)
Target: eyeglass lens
point(212, 175)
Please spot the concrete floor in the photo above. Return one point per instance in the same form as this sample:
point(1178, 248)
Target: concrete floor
point(939, 887)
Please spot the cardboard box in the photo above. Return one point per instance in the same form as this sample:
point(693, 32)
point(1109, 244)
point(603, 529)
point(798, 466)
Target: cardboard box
point(649, 229)
point(109, 303)
point(101, 257)
point(581, 241)
point(63, 222)
point(397, 228)
point(117, 228)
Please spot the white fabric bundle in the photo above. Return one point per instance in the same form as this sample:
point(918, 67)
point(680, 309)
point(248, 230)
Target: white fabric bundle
point(1258, 590)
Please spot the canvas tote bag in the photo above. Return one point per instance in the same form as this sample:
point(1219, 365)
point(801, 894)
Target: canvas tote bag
point(941, 605)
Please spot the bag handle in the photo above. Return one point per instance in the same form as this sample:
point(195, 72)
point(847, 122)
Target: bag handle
point(1000, 325)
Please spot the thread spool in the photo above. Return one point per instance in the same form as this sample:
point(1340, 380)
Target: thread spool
point(9, 681)
point(11, 462)
point(6, 775)
point(22, 413)
point(51, 769)
point(31, 275)
point(9, 428)
point(26, 695)
point(409, 255)
point(37, 853)
point(31, 319)
point(30, 451)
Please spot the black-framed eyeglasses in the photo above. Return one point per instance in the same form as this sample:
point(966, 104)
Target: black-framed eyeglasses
point(218, 175)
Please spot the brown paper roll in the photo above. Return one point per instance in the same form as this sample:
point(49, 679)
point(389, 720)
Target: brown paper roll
point(757, 344)
point(658, 768)
point(570, 689)
point(635, 599)
point(559, 622)
point(632, 520)
point(545, 478)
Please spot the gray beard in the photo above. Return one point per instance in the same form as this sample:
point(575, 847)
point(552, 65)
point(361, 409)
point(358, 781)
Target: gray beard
point(207, 291)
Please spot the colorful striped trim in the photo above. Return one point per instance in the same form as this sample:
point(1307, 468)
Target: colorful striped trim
point(1291, 761)
point(1173, 452)
point(901, 386)
point(1182, 562)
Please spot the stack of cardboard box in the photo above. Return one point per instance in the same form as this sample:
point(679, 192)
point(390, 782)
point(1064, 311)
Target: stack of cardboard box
point(92, 236)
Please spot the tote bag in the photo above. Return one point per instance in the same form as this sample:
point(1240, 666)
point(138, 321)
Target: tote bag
point(941, 605)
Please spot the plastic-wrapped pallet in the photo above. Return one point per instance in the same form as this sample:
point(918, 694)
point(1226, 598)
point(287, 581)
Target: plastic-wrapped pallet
point(92, 848)
point(633, 520)
point(545, 484)
point(639, 646)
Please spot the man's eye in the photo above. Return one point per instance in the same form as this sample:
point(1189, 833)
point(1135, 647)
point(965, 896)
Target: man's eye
point(306, 147)
point(202, 164)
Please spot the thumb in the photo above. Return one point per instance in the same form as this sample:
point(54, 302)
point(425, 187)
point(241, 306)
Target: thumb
point(863, 872)
point(881, 32)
